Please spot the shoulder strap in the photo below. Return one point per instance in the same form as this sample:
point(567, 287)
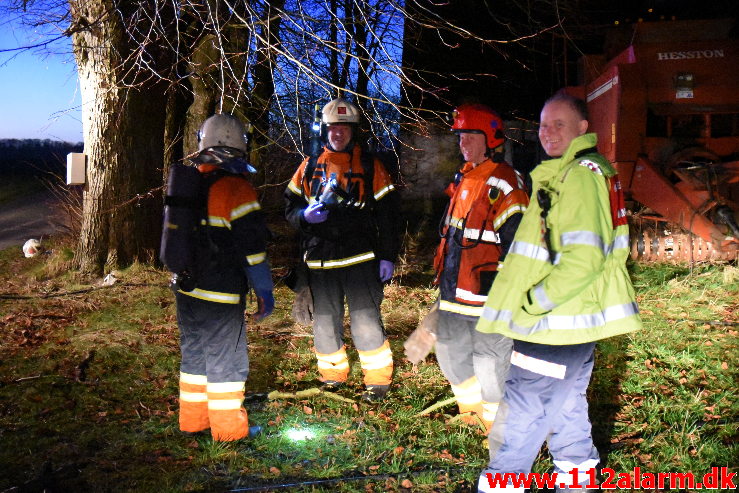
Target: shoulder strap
point(367, 159)
point(310, 168)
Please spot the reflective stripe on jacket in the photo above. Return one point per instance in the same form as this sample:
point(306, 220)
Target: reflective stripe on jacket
point(238, 234)
point(467, 258)
point(585, 294)
point(357, 230)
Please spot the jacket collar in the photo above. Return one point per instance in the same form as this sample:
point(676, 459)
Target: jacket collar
point(550, 168)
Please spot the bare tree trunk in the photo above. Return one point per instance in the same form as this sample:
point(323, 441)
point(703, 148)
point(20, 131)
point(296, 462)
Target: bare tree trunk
point(264, 85)
point(123, 131)
point(203, 62)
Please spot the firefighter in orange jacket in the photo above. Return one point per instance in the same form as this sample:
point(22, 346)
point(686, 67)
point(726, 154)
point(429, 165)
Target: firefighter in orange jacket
point(215, 362)
point(347, 213)
point(487, 199)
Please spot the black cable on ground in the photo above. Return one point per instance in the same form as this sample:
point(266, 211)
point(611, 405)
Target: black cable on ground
point(329, 481)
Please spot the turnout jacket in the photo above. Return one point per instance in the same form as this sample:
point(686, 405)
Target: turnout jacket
point(361, 228)
point(582, 292)
point(237, 234)
point(486, 202)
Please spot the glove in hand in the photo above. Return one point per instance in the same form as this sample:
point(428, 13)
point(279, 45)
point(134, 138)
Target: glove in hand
point(386, 270)
point(315, 213)
point(422, 340)
point(265, 304)
point(303, 306)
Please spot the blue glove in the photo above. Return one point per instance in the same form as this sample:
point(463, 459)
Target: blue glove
point(315, 213)
point(386, 270)
point(265, 304)
point(260, 279)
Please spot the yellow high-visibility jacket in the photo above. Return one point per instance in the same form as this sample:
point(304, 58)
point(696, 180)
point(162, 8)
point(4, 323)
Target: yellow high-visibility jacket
point(582, 291)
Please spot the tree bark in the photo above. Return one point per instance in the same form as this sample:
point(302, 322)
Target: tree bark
point(123, 128)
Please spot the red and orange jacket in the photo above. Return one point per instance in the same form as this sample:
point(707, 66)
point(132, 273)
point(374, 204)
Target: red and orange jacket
point(485, 207)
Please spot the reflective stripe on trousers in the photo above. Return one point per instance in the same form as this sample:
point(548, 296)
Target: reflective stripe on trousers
point(214, 367)
point(538, 406)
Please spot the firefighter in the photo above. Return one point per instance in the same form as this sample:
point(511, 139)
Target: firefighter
point(564, 286)
point(345, 206)
point(487, 199)
point(213, 344)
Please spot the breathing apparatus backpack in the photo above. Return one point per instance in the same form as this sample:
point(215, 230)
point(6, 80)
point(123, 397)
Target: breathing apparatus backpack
point(186, 244)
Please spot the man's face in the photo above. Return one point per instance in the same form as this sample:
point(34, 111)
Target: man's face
point(559, 125)
point(339, 136)
point(473, 147)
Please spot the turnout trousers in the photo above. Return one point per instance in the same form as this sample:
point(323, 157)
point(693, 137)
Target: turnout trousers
point(361, 287)
point(475, 364)
point(544, 400)
point(214, 367)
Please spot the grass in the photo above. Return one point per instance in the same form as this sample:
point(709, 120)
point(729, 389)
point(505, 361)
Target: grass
point(88, 390)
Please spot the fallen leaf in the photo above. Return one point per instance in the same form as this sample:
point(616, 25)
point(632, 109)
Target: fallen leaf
point(406, 483)
point(275, 471)
point(307, 410)
point(724, 365)
point(373, 468)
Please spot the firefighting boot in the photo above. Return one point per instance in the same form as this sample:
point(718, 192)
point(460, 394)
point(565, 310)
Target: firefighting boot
point(331, 385)
point(375, 393)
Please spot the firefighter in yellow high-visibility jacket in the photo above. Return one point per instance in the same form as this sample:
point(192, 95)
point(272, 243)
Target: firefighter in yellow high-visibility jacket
point(564, 287)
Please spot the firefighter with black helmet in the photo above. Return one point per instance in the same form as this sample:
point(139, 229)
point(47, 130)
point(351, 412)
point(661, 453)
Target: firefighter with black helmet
point(487, 199)
point(210, 313)
point(345, 206)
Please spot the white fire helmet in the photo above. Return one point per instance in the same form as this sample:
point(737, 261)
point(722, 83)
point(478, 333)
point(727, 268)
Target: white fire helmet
point(340, 111)
point(222, 130)
point(31, 248)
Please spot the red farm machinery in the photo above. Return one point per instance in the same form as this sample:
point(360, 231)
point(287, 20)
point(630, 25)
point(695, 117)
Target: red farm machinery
point(666, 111)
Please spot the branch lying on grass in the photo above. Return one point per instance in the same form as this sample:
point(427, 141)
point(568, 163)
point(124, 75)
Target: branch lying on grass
point(436, 406)
point(302, 394)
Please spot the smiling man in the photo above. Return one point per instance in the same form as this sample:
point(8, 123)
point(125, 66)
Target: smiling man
point(345, 206)
point(564, 286)
point(486, 202)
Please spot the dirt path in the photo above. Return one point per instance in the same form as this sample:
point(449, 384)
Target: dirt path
point(28, 217)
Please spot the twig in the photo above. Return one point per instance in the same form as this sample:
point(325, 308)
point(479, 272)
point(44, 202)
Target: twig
point(436, 406)
point(302, 394)
point(22, 379)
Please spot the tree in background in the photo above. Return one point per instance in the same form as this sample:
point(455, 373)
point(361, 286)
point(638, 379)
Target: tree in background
point(151, 72)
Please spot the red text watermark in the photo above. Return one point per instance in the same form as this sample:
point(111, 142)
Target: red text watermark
point(718, 478)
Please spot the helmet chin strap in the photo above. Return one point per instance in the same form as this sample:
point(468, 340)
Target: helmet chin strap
point(227, 158)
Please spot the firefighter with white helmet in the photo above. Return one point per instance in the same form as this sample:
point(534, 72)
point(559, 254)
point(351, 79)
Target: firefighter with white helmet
point(345, 205)
point(487, 199)
point(215, 362)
